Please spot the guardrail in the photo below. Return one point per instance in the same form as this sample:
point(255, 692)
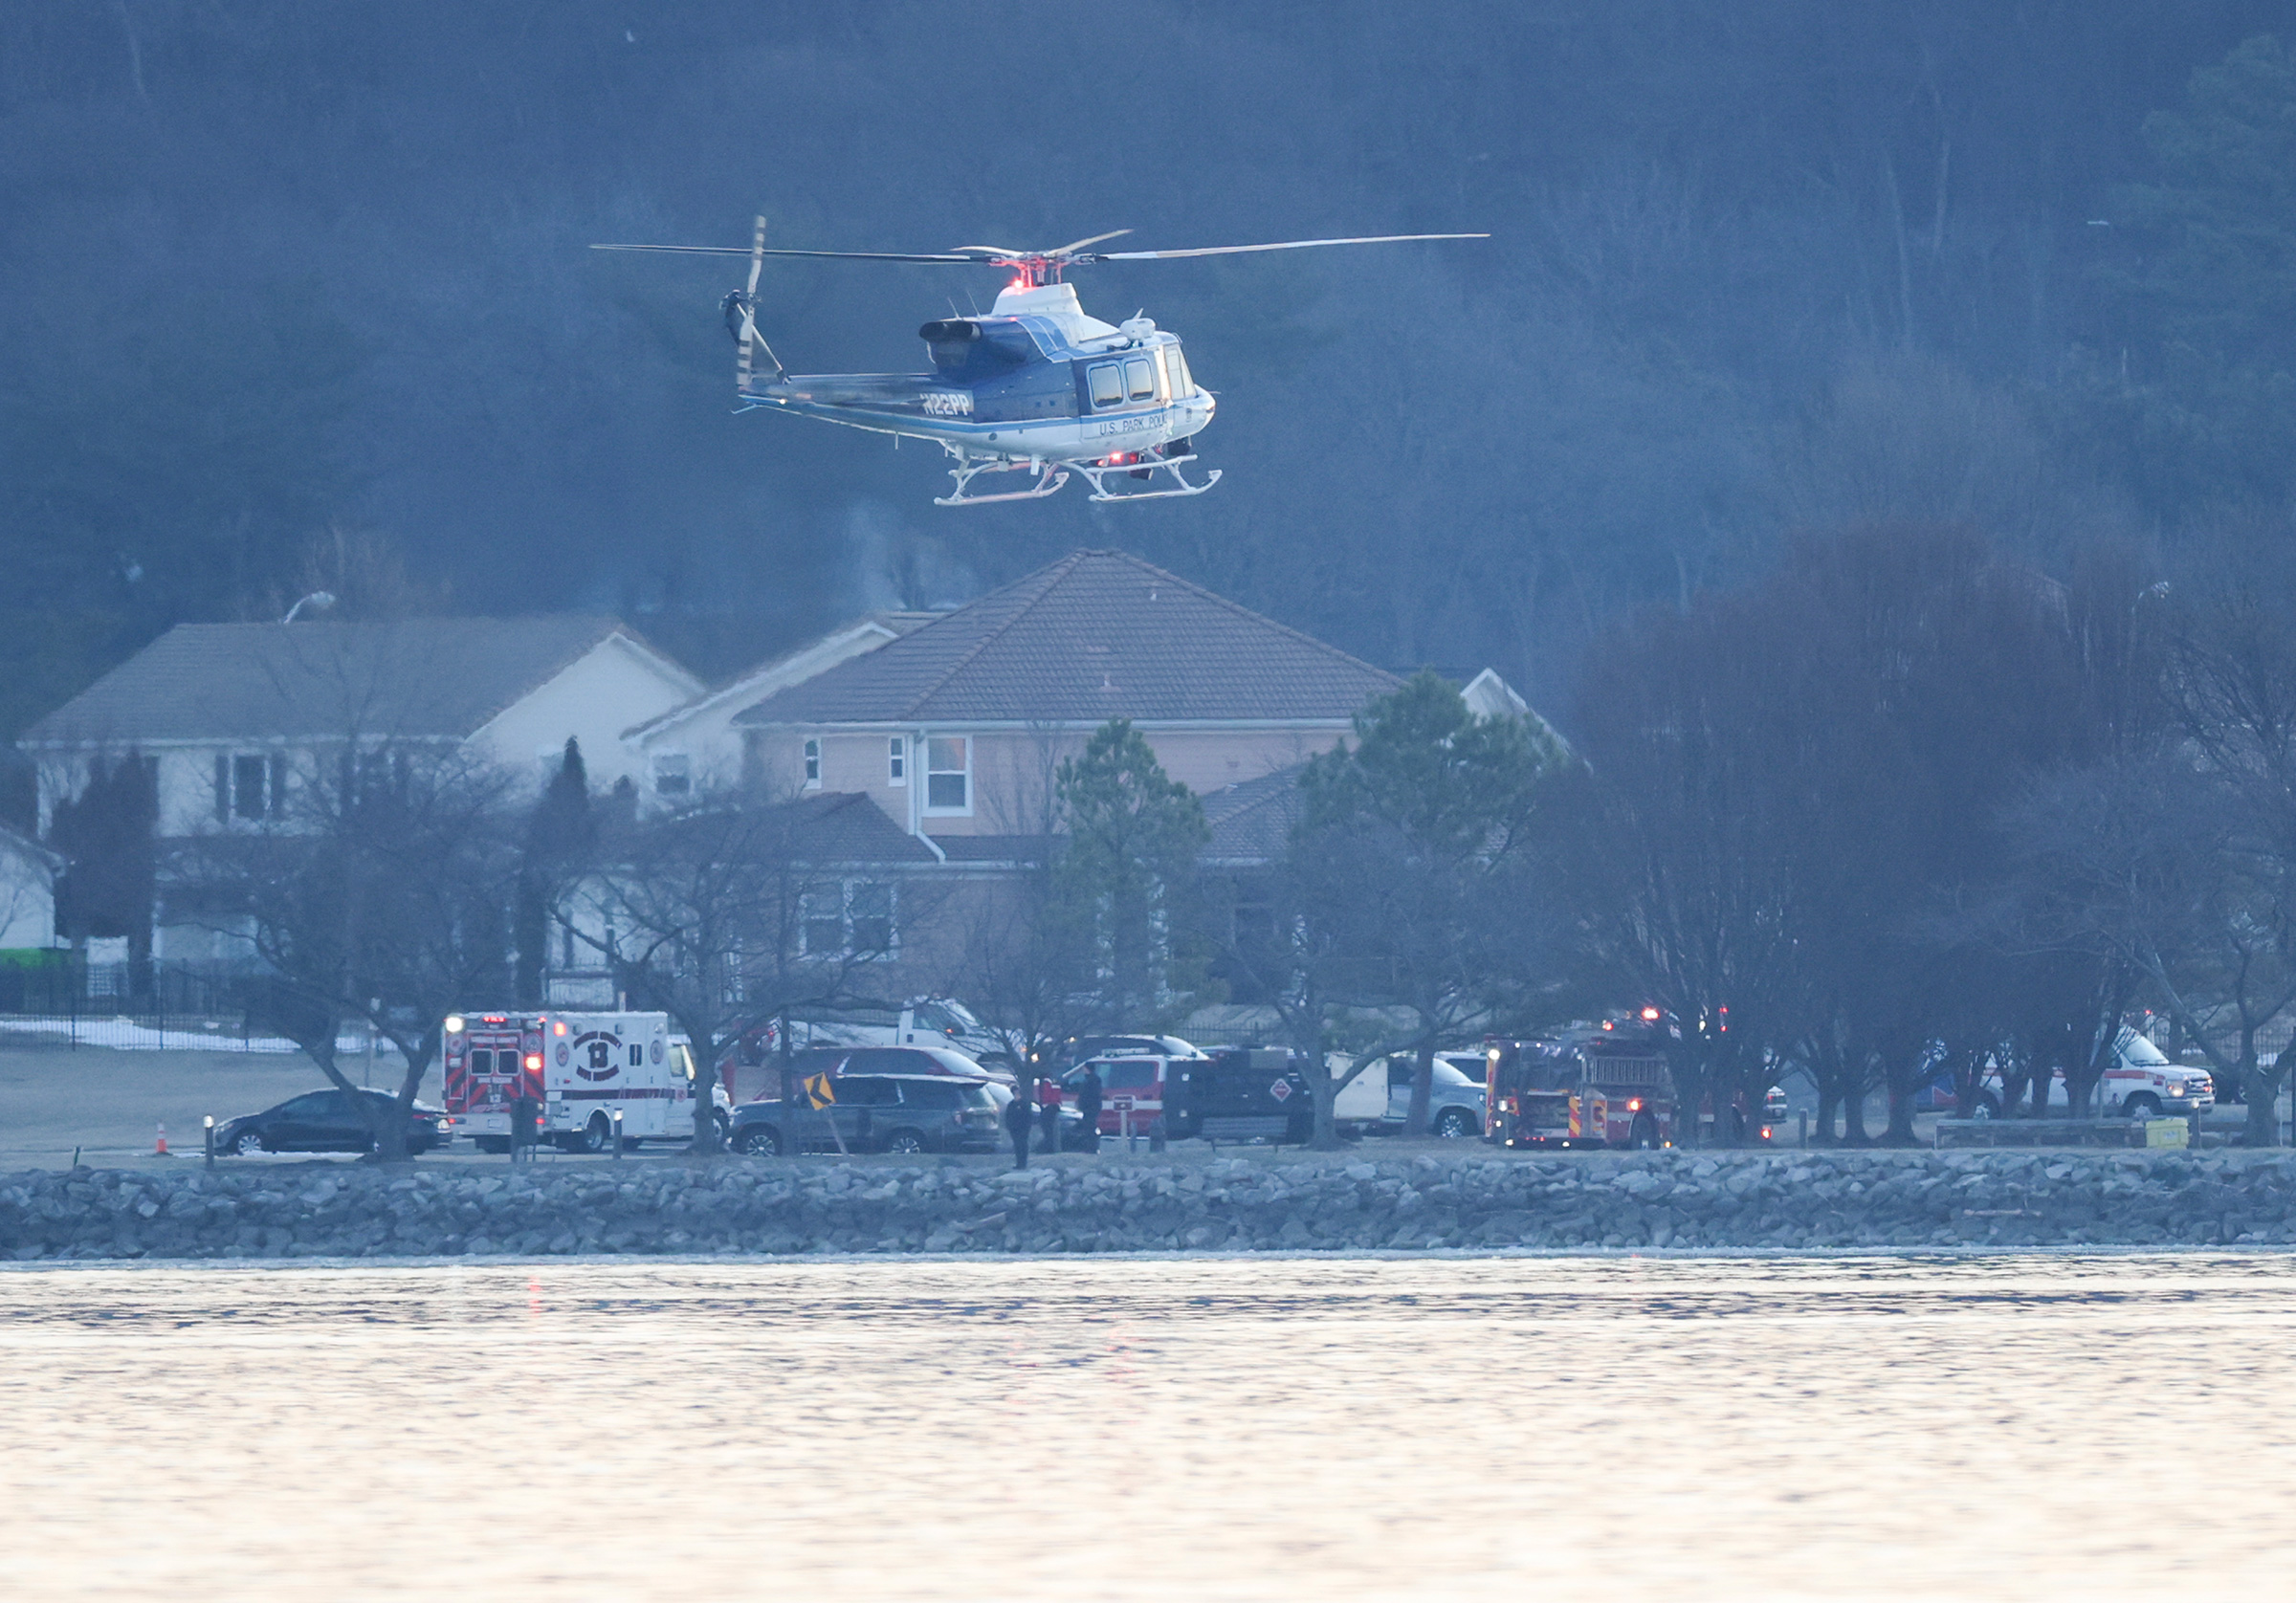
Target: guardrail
point(2063, 1133)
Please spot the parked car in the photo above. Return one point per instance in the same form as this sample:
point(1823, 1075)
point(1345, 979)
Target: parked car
point(893, 1059)
point(918, 1060)
point(872, 1059)
point(1377, 1101)
point(326, 1121)
point(877, 1114)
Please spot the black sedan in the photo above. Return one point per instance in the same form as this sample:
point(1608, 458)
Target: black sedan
point(326, 1121)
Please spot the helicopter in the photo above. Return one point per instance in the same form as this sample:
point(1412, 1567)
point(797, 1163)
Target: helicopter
point(1035, 386)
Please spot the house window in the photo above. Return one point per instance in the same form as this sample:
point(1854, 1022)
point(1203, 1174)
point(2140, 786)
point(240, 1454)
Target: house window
point(868, 918)
point(848, 919)
point(812, 765)
point(821, 920)
point(896, 761)
point(948, 774)
point(250, 786)
point(672, 774)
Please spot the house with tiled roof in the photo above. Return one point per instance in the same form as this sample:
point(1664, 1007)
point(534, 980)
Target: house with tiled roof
point(957, 728)
point(230, 713)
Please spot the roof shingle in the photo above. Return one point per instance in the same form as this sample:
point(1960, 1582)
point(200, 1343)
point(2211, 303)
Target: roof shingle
point(845, 826)
point(1097, 635)
point(1252, 820)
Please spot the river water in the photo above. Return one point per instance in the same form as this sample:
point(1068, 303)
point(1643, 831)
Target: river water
point(1203, 1429)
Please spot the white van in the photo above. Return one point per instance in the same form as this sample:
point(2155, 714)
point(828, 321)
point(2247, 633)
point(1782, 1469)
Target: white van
point(2141, 1083)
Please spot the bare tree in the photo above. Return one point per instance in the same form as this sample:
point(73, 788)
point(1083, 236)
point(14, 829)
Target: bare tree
point(1676, 871)
point(737, 912)
point(1308, 958)
point(379, 894)
point(1025, 963)
point(1025, 966)
point(2233, 683)
point(2151, 865)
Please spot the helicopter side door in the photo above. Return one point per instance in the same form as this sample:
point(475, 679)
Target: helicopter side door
point(1125, 382)
point(1103, 384)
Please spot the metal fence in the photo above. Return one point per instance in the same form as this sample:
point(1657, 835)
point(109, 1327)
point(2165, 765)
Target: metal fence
point(63, 1001)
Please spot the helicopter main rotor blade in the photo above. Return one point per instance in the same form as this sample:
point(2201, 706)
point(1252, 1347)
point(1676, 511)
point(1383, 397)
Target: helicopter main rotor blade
point(1284, 245)
point(745, 251)
point(1080, 244)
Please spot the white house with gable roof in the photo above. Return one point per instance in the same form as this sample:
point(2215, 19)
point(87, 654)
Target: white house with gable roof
point(230, 714)
point(695, 749)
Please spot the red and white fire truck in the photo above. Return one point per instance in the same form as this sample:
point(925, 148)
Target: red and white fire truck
point(1583, 1089)
point(576, 1071)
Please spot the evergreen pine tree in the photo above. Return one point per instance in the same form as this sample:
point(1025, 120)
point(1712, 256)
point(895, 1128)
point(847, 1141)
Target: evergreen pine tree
point(558, 837)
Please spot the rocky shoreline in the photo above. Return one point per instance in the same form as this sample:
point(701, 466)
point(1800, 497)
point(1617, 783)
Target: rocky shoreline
point(1347, 1202)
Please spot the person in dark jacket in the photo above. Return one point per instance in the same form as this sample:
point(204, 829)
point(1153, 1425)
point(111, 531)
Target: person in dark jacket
point(1018, 1117)
point(1087, 1113)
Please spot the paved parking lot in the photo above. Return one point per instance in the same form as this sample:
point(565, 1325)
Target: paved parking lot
point(110, 1104)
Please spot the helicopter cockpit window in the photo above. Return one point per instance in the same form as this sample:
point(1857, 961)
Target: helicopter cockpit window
point(1108, 385)
point(1140, 378)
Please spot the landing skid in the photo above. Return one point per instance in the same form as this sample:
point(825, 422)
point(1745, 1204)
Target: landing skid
point(1098, 472)
point(1049, 476)
point(1048, 479)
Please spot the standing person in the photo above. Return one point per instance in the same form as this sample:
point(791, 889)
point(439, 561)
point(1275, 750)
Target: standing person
point(1048, 1113)
point(1087, 1110)
point(1018, 1118)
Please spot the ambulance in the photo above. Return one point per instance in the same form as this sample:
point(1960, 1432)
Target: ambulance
point(576, 1071)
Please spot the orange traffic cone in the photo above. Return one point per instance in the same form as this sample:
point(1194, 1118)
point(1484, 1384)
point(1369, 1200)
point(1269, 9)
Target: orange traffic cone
point(162, 1148)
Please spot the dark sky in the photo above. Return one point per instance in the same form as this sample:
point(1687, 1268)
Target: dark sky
point(269, 264)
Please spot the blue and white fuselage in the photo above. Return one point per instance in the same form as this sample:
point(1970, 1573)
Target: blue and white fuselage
point(1035, 385)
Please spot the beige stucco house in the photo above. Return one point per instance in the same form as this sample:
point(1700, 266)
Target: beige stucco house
point(956, 729)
